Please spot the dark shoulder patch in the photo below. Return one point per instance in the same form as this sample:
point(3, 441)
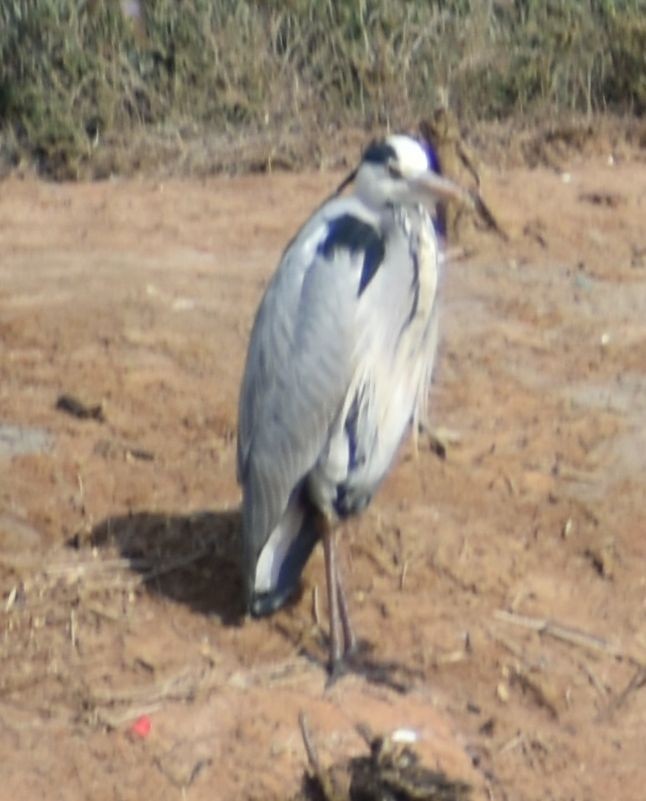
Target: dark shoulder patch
point(379, 152)
point(351, 233)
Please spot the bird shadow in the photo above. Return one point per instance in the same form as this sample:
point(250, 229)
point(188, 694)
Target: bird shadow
point(192, 559)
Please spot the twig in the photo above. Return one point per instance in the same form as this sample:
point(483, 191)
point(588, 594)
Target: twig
point(315, 606)
point(326, 784)
point(510, 745)
point(113, 720)
point(402, 575)
point(11, 598)
point(179, 687)
point(176, 564)
point(636, 683)
point(73, 627)
point(308, 742)
point(101, 611)
point(573, 636)
point(446, 572)
point(513, 649)
point(594, 680)
point(270, 675)
point(544, 695)
point(365, 732)
point(74, 569)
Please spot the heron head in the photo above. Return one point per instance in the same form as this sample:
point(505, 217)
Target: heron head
point(400, 170)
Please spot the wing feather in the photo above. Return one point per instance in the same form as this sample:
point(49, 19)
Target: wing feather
point(300, 364)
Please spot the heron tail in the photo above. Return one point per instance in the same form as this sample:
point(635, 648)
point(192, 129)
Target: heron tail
point(283, 557)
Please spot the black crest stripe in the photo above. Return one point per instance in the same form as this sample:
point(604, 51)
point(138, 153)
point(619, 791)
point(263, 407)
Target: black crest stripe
point(379, 152)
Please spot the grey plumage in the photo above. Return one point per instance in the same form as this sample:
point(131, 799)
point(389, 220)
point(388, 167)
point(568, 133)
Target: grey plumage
point(339, 362)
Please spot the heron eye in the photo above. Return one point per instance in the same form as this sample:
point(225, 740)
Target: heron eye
point(394, 170)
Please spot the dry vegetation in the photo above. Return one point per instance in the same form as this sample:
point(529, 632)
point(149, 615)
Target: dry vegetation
point(87, 90)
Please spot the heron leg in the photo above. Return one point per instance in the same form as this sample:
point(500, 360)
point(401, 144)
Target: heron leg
point(349, 638)
point(331, 577)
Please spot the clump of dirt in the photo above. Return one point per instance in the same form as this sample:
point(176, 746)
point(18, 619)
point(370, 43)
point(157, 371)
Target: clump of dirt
point(392, 770)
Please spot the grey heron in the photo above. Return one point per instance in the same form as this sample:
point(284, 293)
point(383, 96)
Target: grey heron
point(338, 368)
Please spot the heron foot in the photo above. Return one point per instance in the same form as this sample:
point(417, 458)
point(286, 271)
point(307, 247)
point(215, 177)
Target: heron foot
point(352, 661)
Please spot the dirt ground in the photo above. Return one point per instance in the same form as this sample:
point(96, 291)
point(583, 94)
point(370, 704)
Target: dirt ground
point(501, 589)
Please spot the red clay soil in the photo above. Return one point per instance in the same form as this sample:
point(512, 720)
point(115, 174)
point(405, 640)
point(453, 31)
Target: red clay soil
point(501, 590)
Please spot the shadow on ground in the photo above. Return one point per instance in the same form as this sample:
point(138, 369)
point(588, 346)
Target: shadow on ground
point(192, 559)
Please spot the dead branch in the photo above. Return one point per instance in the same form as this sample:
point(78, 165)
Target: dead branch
point(573, 636)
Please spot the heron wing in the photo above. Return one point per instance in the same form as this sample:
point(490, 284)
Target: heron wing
point(300, 364)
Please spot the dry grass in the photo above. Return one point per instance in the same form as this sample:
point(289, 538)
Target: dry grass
point(80, 81)
point(65, 614)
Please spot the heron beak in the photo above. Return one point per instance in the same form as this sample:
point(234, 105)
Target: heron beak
point(431, 188)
